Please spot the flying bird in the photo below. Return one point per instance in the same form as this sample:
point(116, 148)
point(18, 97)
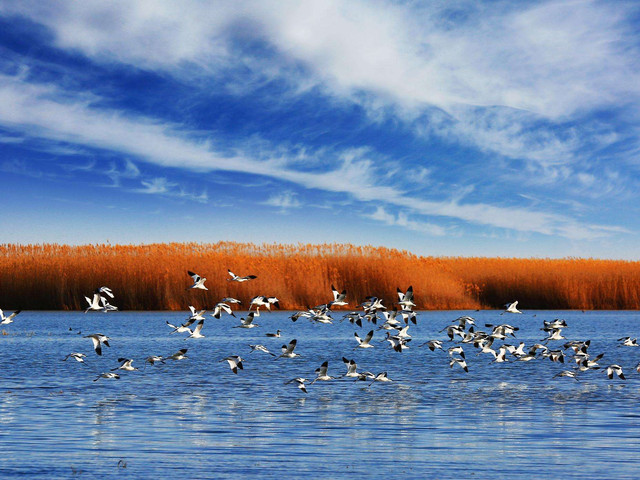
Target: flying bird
point(98, 340)
point(300, 383)
point(338, 297)
point(198, 281)
point(511, 308)
point(236, 278)
point(235, 363)
point(9, 319)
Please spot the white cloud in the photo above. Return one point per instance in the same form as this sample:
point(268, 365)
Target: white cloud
point(43, 111)
point(551, 60)
point(402, 220)
point(284, 200)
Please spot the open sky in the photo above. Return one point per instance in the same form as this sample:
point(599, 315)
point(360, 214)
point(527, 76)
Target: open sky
point(459, 128)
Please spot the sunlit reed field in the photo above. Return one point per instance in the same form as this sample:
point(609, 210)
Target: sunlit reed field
point(154, 277)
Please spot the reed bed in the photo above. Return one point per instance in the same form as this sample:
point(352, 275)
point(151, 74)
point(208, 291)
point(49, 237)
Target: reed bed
point(154, 277)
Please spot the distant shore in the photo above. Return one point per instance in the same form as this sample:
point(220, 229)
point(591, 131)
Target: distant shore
point(154, 277)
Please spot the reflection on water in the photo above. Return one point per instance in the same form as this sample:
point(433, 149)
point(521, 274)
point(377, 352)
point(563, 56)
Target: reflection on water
point(195, 417)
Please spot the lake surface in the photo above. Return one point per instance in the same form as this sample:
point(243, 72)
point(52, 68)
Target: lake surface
point(194, 418)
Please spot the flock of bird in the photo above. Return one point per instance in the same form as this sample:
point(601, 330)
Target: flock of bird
point(463, 335)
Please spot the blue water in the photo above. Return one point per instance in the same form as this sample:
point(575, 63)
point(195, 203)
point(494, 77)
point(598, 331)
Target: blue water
point(196, 419)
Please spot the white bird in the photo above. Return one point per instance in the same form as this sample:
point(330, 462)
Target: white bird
point(236, 278)
point(568, 373)
point(380, 377)
point(198, 281)
point(397, 343)
point(153, 359)
point(195, 333)
point(262, 301)
point(260, 348)
point(300, 382)
point(364, 342)
point(555, 335)
point(459, 361)
point(196, 314)
point(511, 308)
point(501, 355)
point(179, 355)
point(288, 350)
point(94, 303)
point(321, 373)
point(432, 344)
point(351, 367)
point(456, 351)
point(182, 328)
point(231, 300)
point(235, 363)
point(405, 300)
point(628, 342)
point(465, 320)
point(108, 375)
point(220, 308)
point(78, 357)
point(105, 290)
point(338, 297)
point(106, 306)
point(247, 322)
point(617, 369)
point(99, 302)
point(125, 365)
point(98, 340)
point(9, 319)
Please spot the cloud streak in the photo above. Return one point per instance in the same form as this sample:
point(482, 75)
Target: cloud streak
point(44, 111)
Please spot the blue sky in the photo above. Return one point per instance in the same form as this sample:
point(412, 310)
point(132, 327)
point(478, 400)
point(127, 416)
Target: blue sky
point(456, 128)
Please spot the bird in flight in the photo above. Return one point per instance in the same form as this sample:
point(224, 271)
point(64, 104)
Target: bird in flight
point(237, 278)
point(198, 281)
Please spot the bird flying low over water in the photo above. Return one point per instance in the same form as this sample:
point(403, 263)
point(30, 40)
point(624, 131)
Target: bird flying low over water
point(235, 363)
point(380, 377)
point(78, 357)
point(260, 348)
point(9, 319)
point(615, 369)
point(125, 364)
point(405, 300)
point(221, 308)
point(288, 350)
point(247, 322)
point(321, 373)
point(511, 308)
point(300, 383)
point(262, 301)
point(196, 314)
point(198, 281)
point(179, 355)
point(195, 333)
point(338, 297)
point(364, 342)
point(108, 375)
point(98, 340)
point(628, 342)
point(237, 278)
point(181, 328)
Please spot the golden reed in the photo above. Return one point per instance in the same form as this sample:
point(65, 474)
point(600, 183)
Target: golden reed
point(154, 277)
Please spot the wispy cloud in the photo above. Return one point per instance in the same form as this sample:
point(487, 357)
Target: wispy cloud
point(284, 201)
point(39, 110)
point(402, 220)
point(411, 57)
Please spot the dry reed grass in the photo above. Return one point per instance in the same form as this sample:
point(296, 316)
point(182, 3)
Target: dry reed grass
point(153, 277)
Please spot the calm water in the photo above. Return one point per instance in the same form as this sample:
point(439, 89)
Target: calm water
point(196, 419)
